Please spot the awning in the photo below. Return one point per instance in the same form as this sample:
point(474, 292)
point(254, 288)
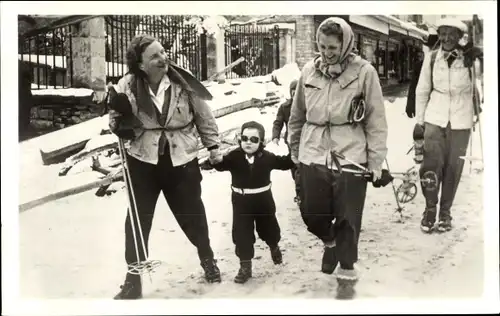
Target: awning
point(385, 23)
point(398, 29)
point(369, 21)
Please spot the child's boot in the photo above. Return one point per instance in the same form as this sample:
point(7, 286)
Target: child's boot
point(245, 272)
point(276, 254)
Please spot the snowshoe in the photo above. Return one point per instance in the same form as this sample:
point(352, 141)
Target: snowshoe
point(212, 272)
point(276, 255)
point(329, 262)
point(244, 273)
point(131, 288)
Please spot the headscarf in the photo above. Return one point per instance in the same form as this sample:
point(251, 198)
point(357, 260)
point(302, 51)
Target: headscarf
point(346, 55)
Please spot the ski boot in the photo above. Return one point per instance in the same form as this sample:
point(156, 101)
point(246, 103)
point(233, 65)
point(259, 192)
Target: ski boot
point(212, 272)
point(131, 288)
point(245, 272)
point(346, 280)
point(444, 223)
point(329, 262)
point(428, 220)
point(276, 254)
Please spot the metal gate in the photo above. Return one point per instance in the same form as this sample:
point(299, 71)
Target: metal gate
point(257, 44)
point(180, 39)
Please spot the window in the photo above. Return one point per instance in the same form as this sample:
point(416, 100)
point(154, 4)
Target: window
point(392, 67)
point(381, 56)
point(368, 49)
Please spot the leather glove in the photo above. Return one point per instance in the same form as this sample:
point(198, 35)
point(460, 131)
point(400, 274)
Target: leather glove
point(215, 156)
point(410, 112)
point(380, 178)
point(384, 179)
point(418, 132)
point(119, 102)
point(122, 120)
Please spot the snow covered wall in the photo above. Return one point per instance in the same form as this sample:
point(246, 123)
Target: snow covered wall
point(59, 108)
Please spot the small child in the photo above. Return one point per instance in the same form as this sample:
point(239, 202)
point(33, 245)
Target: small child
point(253, 204)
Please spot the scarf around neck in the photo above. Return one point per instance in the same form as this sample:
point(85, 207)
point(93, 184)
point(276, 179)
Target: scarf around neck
point(177, 75)
point(346, 55)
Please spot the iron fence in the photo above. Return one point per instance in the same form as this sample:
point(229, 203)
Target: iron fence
point(48, 56)
point(257, 44)
point(180, 39)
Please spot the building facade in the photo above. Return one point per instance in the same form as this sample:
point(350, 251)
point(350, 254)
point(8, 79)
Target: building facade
point(389, 43)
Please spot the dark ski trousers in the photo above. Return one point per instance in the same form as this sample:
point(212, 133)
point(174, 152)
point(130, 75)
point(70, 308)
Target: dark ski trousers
point(327, 196)
point(254, 212)
point(442, 150)
point(182, 189)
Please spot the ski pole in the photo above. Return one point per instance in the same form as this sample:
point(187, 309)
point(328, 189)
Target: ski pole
point(350, 161)
point(400, 209)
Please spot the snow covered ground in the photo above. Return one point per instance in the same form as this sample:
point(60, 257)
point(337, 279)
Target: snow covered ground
point(74, 247)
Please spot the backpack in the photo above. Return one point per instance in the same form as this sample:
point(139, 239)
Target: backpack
point(475, 93)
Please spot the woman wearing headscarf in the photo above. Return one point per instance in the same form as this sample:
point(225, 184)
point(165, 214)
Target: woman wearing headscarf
point(446, 103)
point(160, 110)
point(327, 115)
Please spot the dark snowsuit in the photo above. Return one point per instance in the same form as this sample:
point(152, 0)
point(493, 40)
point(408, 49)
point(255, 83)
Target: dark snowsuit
point(253, 211)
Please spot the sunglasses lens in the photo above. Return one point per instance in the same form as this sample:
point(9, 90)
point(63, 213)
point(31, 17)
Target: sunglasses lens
point(253, 139)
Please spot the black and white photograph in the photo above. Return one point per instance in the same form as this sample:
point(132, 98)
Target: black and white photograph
point(271, 155)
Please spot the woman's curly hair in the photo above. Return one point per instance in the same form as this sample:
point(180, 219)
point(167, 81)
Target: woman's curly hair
point(134, 53)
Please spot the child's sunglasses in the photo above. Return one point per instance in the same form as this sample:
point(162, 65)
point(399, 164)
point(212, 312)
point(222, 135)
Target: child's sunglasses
point(253, 139)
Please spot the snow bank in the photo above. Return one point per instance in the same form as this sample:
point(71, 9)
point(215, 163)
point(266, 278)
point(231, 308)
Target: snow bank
point(285, 75)
point(35, 86)
point(65, 92)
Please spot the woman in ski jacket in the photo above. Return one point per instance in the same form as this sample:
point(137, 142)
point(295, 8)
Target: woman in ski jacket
point(160, 112)
point(338, 106)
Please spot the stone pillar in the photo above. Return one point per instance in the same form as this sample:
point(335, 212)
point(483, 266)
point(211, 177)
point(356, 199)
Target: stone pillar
point(287, 52)
point(216, 55)
point(87, 64)
point(306, 41)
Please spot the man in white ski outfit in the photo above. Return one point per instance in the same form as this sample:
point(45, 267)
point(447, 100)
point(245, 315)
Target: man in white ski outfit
point(445, 113)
